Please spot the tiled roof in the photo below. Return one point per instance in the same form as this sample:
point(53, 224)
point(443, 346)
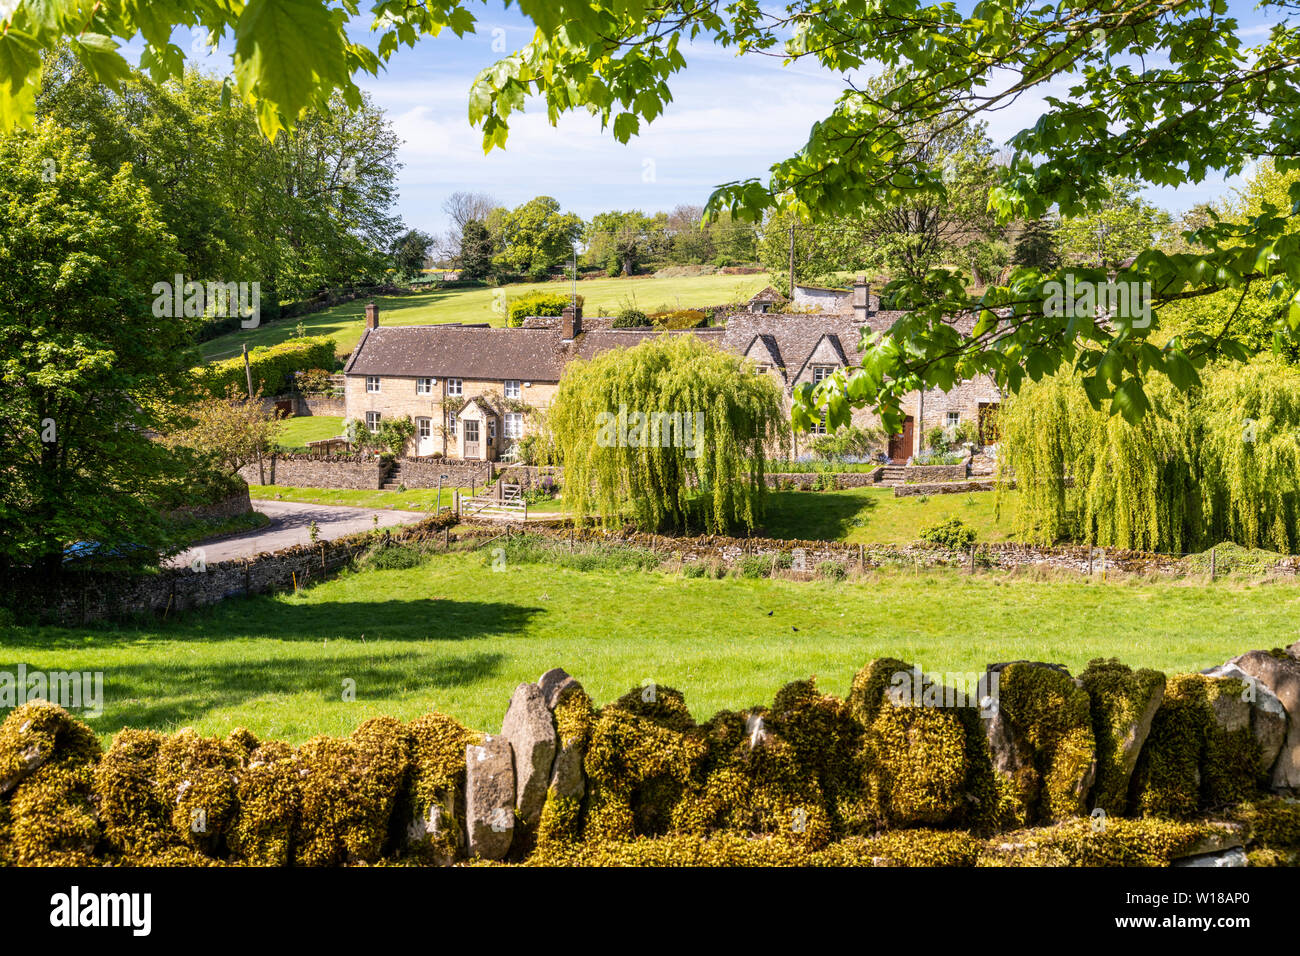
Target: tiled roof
point(540, 354)
point(449, 350)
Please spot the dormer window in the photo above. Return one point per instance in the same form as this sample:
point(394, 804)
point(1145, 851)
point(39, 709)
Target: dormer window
point(822, 372)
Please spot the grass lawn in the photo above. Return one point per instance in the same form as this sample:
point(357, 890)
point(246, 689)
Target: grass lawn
point(875, 516)
point(452, 635)
point(345, 322)
point(415, 499)
point(296, 432)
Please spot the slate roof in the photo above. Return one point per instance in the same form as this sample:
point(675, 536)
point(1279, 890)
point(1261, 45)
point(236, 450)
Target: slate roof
point(540, 354)
point(458, 351)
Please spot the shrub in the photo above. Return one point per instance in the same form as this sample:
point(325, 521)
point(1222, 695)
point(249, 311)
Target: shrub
point(697, 570)
point(630, 319)
point(315, 381)
point(272, 368)
point(753, 566)
point(832, 570)
point(537, 303)
point(952, 533)
point(393, 557)
point(679, 319)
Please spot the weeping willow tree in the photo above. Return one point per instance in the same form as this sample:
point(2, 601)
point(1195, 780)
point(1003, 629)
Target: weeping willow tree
point(1086, 475)
point(670, 433)
point(1219, 463)
point(1250, 454)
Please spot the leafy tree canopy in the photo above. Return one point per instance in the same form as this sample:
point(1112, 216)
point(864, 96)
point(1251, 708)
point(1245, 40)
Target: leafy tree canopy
point(1165, 93)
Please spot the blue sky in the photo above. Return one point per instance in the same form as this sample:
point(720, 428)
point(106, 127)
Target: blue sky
point(730, 119)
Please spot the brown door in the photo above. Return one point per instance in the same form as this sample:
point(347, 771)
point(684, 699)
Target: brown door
point(901, 446)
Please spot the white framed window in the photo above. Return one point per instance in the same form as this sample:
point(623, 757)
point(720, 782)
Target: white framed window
point(514, 425)
point(819, 427)
point(424, 427)
point(454, 386)
point(954, 419)
point(822, 371)
point(492, 431)
point(424, 386)
point(512, 388)
point(372, 383)
point(372, 421)
point(761, 369)
point(451, 424)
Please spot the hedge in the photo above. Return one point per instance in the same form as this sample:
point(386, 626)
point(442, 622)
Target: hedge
point(538, 303)
point(272, 367)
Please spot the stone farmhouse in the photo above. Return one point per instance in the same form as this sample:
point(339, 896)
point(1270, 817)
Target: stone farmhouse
point(472, 390)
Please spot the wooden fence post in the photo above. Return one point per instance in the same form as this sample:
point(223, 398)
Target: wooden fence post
point(1214, 563)
point(972, 558)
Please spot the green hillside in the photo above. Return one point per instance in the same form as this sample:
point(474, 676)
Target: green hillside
point(345, 322)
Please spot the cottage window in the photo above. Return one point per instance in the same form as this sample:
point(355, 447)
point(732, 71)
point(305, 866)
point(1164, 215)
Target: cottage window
point(492, 431)
point(822, 371)
point(514, 425)
point(372, 421)
point(454, 386)
point(451, 424)
point(512, 388)
point(372, 383)
point(819, 427)
point(762, 369)
point(424, 386)
point(954, 419)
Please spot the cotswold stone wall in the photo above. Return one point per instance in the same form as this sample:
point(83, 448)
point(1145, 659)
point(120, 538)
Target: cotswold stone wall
point(944, 488)
point(313, 471)
point(843, 479)
point(936, 472)
point(1029, 766)
point(81, 597)
point(424, 472)
point(227, 508)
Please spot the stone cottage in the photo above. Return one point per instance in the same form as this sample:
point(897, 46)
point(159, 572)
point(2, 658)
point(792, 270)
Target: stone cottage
point(472, 390)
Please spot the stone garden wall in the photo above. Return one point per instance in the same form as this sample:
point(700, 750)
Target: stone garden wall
point(358, 472)
point(930, 473)
point(424, 472)
point(224, 510)
point(1026, 765)
point(79, 597)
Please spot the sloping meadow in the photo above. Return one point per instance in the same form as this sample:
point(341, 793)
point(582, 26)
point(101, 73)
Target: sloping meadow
point(1034, 767)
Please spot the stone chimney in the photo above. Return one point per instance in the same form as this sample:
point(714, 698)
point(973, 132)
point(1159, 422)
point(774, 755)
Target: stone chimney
point(372, 316)
point(861, 299)
point(571, 322)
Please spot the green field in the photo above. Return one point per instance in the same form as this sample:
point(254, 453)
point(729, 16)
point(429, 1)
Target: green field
point(855, 515)
point(296, 432)
point(452, 635)
point(875, 516)
point(345, 322)
point(415, 499)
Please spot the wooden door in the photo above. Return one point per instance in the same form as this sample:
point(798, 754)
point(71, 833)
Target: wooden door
point(902, 446)
point(470, 443)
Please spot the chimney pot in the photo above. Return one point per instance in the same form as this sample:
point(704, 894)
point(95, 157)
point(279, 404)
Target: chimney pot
point(372, 316)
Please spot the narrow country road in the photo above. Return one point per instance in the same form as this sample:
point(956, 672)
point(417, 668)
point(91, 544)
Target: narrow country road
point(290, 525)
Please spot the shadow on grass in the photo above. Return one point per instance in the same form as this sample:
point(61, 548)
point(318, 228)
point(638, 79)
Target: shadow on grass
point(264, 617)
point(165, 694)
point(815, 515)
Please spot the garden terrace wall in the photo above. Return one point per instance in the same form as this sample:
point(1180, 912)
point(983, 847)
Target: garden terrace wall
point(356, 472)
point(79, 597)
point(921, 473)
point(424, 472)
point(806, 480)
